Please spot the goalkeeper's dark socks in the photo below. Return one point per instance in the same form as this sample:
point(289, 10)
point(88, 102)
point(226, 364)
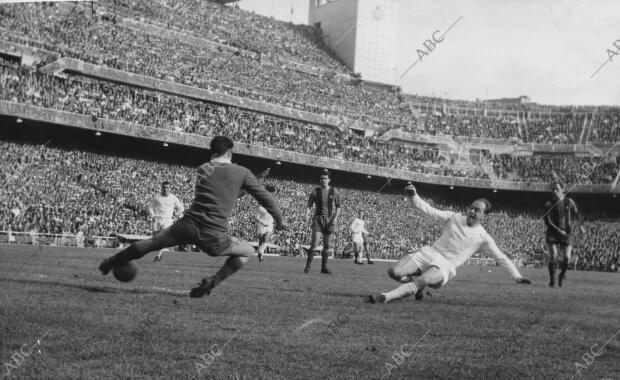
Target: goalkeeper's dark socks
point(126, 255)
point(231, 265)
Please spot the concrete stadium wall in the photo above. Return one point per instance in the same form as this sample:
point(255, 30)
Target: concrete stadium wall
point(338, 21)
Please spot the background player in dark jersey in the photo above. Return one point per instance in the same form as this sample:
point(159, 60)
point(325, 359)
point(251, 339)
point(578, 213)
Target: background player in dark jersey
point(205, 224)
point(559, 216)
point(326, 202)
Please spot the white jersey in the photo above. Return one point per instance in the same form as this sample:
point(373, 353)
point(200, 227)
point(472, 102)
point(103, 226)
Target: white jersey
point(264, 220)
point(458, 241)
point(358, 229)
point(164, 207)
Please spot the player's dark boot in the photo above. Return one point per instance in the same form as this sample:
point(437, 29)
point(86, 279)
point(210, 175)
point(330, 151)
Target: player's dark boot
point(375, 298)
point(124, 256)
point(260, 256)
point(419, 295)
point(106, 266)
point(204, 288)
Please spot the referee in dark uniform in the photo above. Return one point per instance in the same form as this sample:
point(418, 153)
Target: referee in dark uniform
point(559, 217)
point(218, 185)
point(326, 202)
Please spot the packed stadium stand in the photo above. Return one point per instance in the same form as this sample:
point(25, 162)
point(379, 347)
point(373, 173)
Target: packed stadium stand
point(311, 104)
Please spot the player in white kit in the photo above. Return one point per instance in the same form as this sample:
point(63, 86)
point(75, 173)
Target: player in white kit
point(358, 231)
point(264, 226)
point(434, 266)
point(162, 209)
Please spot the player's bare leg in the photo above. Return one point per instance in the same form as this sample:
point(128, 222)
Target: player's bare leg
point(553, 254)
point(137, 250)
point(239, 253)
point(357, 253)
point(316, 235)
point(263, 240)
point(432, 278)
point(404, 271)
point(367, 250)
point(566, 253)
point(160, 254)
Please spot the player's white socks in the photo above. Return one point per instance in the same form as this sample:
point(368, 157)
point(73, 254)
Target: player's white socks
point(400, 292)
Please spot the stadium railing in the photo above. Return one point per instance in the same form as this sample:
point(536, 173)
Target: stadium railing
point(58, 240)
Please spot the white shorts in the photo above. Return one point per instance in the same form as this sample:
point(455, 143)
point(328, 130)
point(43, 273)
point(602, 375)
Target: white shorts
point(357, 238)
point(161, 223)
point(426, 258)
point(264, 229)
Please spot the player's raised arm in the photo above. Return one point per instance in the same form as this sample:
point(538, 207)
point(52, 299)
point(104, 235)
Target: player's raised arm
point(491, 248)
point(420, 204)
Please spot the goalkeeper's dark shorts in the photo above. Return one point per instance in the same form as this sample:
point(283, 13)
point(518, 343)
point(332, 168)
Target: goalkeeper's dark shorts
point(210, 241)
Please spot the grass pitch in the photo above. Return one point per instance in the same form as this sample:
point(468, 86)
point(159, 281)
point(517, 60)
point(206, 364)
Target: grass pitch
point(271, 321)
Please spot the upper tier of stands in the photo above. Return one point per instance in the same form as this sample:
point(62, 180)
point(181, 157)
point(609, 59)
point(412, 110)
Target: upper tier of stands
point(114, 101)
point(101, 38)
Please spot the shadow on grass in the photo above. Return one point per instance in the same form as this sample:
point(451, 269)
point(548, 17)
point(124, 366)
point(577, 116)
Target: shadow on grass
point(97, 289)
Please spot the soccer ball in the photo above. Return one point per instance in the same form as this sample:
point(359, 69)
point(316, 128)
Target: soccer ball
point(126, 272)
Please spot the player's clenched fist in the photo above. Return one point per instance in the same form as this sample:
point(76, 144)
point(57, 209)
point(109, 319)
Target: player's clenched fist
point(410, 190)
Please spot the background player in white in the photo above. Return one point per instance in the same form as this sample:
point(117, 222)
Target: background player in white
point(162, 209)
point(358, 231)
point(434, 266)
point(264, 226)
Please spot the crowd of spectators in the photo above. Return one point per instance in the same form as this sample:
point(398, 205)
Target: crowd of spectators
point(120, 102)
point(96, 37)
point(232, 26)
point(47, 189)
point(562, 128)
point(548, 168)
point(108, 100)
point(74, 32)
point(605, 127)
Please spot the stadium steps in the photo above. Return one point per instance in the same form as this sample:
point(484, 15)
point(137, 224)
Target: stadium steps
point(189, 37)
point(585, 130)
